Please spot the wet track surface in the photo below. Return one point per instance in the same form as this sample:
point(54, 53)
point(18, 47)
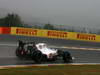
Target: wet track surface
point(8, 47)
point(7, 56)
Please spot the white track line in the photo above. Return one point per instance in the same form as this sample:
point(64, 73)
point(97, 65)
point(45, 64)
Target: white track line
point(67, 47)
point(8, 45)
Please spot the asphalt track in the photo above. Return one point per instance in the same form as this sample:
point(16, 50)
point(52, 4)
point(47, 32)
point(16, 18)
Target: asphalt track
point(9, 43)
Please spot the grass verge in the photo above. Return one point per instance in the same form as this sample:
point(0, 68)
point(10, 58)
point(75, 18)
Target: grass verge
point(53, 70)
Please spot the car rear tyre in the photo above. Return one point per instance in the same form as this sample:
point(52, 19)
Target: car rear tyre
point(37, 56)
point(20, 53)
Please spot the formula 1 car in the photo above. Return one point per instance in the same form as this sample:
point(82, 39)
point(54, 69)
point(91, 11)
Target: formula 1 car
point(41, 52)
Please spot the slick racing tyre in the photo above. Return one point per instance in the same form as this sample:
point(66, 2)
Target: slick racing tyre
point(60, 52)
point(67, 57)
point(20, 53)
point(37, 56)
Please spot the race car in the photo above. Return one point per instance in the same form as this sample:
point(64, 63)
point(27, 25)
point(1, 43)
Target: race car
point(41, 52)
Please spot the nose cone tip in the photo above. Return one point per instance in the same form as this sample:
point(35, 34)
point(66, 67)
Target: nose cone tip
point(73, 58)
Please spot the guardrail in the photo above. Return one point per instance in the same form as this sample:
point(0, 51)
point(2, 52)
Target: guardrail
point(50, 34)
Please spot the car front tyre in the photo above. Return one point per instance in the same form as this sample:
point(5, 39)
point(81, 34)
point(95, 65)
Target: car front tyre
point(67, 57)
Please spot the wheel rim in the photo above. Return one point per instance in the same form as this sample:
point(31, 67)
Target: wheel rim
point(38, 56)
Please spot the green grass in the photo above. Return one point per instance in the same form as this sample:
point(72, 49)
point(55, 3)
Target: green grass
point(54, 70)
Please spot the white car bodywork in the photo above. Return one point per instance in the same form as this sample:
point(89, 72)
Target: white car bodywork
point(46, 50)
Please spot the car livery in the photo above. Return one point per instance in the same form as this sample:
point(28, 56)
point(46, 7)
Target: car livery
point(41, 52)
